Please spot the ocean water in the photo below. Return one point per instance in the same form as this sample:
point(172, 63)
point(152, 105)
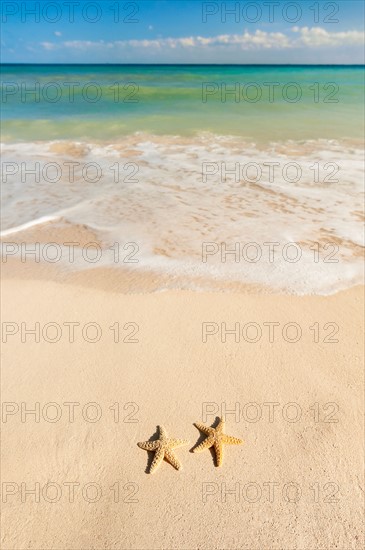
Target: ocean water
point(191, 162)
point(266, 103)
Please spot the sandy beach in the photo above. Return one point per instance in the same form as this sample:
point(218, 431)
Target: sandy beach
point(295, 396)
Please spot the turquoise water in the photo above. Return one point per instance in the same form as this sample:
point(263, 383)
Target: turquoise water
point(104, 102)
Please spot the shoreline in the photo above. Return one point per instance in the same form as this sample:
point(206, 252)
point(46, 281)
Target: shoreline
point(143, 282)
point(224, 195)
point(25, 254)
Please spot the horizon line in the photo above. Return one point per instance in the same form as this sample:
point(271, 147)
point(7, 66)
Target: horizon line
point(196, 64)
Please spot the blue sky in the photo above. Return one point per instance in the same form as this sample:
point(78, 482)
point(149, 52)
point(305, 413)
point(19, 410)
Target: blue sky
point(176, 31)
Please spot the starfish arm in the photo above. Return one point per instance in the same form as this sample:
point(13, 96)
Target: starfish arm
point(205, 429)
point(206, 444)
point(148, 445)
point(158, 458)
point(220, 426)
point(173, 443)
point(218, 447)
point(162, 432)
point(170, 456)
point(228, 439)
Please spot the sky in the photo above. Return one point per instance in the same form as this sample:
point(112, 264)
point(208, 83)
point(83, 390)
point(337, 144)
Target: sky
point(183, 31)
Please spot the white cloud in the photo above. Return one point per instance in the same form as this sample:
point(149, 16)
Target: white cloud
point(260, 39)
point(302, 38)
point(48, 45)
point(298, 45)
point(316, 36)
point(80, 44)
point(57, 33)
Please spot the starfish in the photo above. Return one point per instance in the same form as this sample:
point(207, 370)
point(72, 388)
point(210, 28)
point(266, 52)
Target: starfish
point(163, 448)
point(216, 438)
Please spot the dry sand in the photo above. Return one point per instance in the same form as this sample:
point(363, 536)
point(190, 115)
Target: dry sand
point(171, 377)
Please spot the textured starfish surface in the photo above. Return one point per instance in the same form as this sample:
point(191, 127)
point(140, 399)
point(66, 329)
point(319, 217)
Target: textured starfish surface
point(216, 438)
point(163, 448)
